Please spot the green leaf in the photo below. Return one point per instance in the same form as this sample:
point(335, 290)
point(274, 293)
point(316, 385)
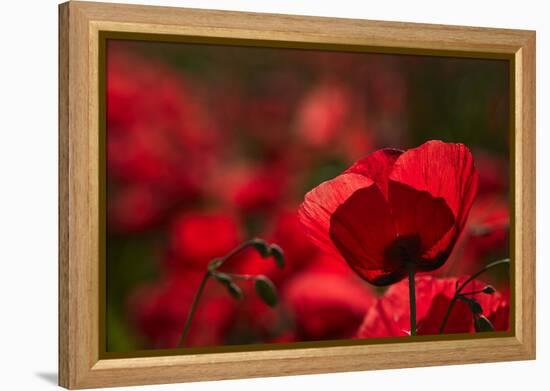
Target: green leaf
point(278, 255)
point(266, 290)
point(261, 246)
point(482, 324)
point(234, 290)
point(489, 290)
point(475, 307)
point(227, 281)
point(224, 278)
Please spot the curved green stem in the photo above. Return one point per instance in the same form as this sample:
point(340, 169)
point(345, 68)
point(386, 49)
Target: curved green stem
point(212, 267)
point(193, 309)
point(207, 275)
point(412, 297)
point(246, 277)
point(472, 292)
point(235, 251)
point(463, 285)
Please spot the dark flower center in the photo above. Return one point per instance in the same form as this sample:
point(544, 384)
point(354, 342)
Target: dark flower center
point(403, 249)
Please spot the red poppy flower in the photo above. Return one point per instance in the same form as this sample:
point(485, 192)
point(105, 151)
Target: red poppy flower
point(392, 208)
point(389, 317)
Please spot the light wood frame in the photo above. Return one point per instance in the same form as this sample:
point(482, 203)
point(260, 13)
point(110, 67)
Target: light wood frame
point(80, 365)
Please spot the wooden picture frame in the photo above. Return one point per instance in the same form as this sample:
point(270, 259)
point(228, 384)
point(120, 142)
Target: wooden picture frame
point(80, 25)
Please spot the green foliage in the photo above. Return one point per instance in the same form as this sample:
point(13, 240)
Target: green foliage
point(482, 324)
point(131, 261)
point(261, 246)
point(234, 290)
point(278, 255)
point(266, 291)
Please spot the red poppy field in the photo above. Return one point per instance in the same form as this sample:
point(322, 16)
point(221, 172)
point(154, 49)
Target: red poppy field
point(269, 196)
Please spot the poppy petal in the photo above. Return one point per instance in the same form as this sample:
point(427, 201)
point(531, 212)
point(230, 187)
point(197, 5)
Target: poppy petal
point(321, 202)
point(380, 322)
point(445, 170)
point(362, 229)
point(381, 277)
point(436, 256)
point(377, 166)
point(419, 216)
point(390, 316)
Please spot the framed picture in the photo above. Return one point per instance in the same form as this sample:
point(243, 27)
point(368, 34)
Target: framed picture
point(247, 195)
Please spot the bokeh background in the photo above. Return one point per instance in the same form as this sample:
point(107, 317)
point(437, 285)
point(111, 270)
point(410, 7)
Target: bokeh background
point(208, 146)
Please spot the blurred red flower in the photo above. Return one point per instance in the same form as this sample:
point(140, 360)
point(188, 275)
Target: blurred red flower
point(250, 262)
point(493, 174)
point(299, 252)
point(196, 238)
point(329, 264)
point(486, 233)
point(332, 115)
point(389, 317)
point(327, 306)
point(488, 225)
point(134, 208)
point(261, 190)
point(201, 158)
point(394, 207)
point(485, 237)
point(323, 112)
point(256, 322)
point(158, 312)
point(287, 232)
point(267, 110)
point(159, 137)
point(488, 228)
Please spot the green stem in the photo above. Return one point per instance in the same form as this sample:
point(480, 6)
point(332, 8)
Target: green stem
point(412, 297)
point(193, 309)
point(236, 251)
point(472, 292)
point(448, 313)
point(207, 275)
point(463, 285)
point(242, 276)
